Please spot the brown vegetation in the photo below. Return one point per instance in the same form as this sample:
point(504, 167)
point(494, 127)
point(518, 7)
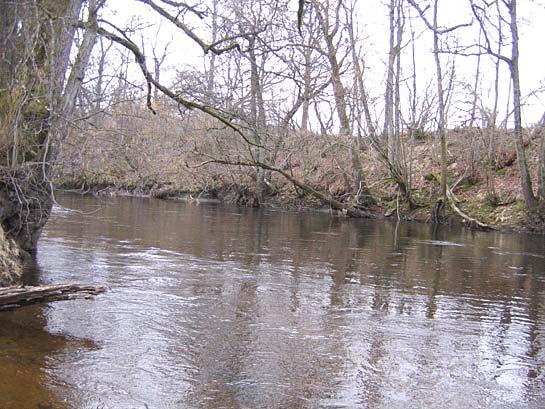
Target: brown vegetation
point(162, 154)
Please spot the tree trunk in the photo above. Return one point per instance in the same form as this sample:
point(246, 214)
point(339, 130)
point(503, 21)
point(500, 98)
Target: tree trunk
point(65, 108)
point(442, 126)
point(43, 115)
point(389, 94)
point(525, 178)
point(211, 74)
point(307, 77)
point(257, 115)
point(541, 190)
point(360, 184)
point(442, 123)
point(396, 140)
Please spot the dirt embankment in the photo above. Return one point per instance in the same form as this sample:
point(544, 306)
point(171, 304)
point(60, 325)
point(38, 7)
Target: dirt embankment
point(12, 261)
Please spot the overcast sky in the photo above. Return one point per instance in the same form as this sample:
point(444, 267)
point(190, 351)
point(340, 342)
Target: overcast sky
point(373, 24)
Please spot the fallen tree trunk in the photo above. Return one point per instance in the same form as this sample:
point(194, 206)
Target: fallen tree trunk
point(470, 221)
point(344, 208)
point(19, 296)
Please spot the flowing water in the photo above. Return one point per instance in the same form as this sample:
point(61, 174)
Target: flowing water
point(219, 307)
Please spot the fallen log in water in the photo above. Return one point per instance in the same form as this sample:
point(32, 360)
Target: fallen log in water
point(19, 296)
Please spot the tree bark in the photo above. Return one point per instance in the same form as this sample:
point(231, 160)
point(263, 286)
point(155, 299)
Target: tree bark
point(525, 178)
point(15, 297)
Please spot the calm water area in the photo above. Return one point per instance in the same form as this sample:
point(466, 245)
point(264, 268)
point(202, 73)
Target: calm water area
point(211, 306)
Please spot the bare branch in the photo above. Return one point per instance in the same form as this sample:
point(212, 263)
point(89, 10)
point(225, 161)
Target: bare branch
point(190, 33)
point(431, 26)
point(141, 60)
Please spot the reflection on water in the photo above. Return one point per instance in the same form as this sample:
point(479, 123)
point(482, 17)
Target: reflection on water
point(214, 306)
point(23, 367)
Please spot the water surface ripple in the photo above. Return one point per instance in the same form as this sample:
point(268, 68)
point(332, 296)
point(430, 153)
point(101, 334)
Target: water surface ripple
point(220, 307)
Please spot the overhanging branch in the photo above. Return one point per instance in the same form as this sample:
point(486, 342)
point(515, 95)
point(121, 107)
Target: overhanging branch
point(141, 61)
point(189, 32)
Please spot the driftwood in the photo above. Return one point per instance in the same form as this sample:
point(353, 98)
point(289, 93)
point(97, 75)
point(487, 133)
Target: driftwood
point(19, 296)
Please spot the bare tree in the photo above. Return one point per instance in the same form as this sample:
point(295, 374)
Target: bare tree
point(388, 148)
point(330, 27)
point(158, 60)
point(437, 32)
point(507, 11)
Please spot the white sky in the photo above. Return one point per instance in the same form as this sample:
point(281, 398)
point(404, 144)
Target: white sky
point(373, 22)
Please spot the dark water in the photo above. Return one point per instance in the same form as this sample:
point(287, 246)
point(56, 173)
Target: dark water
point(219, 307)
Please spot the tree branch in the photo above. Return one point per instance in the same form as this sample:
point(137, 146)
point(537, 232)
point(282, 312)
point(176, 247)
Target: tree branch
point(182, 26)
point(141, 60)
point(431, 26)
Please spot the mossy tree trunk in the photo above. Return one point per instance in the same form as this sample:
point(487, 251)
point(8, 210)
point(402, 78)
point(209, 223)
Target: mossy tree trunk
point(36, 100)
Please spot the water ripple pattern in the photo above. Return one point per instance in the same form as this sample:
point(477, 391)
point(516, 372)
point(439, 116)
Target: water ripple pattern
point(219, 307)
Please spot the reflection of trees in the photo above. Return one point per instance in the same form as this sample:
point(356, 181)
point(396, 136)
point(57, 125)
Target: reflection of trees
point(535, 330)
point(223, 347)
point(356, 284)
point(437, 257)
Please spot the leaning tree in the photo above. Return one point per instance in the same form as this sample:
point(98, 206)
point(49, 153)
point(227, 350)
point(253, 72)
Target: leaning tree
point(38, 90)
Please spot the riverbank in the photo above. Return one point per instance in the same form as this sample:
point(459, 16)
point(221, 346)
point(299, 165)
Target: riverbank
point(507, 216)
point(484, 184)
point(12, 261)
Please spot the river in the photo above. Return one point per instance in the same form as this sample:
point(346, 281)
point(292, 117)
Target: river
point(213, 306)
